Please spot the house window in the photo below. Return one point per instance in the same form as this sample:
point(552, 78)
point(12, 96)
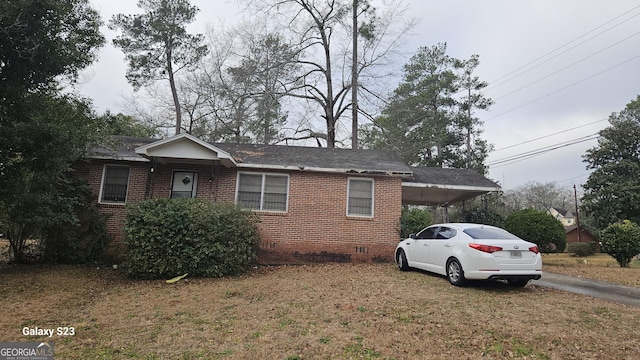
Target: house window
point(266, 192)
point(360, 197)
point(184, 184)
point(115, 180)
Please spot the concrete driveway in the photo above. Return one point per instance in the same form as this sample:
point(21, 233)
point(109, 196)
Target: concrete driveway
point(602, 290)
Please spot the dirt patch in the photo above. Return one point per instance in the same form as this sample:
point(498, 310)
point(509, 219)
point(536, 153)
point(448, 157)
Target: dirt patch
point(336, 311)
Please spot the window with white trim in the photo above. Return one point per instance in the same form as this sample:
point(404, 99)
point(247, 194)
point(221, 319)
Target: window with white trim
point(184, 184)
point(266, 192)
point(360, 197)
point(115, 181)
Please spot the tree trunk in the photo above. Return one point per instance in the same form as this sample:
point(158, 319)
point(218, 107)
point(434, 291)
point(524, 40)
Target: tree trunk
point(354, 80)
point(174, 91)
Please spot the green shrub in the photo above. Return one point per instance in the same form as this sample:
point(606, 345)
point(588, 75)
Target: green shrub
point(483, 216)
point(582, 249)
point(621, 241)
point(78, 239)
point(166, 238)
point(413, 220)
point(537, 227)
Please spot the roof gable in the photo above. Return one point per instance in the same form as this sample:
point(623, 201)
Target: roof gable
point(185, 146)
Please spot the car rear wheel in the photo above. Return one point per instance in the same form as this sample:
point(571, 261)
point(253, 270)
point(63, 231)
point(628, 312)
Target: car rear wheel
point(401, 260)
point(455, 273)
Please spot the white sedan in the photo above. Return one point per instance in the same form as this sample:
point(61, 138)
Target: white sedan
point(470, 251)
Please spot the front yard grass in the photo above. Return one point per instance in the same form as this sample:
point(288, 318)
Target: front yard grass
point(598, 267)
point(336, 311)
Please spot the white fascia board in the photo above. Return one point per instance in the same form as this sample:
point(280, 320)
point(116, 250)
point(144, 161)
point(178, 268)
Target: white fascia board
point(451, 187)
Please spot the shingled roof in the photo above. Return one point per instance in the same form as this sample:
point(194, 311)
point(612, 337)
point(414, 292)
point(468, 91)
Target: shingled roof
point(453, 177)
point(420, 185)
point(309, 158)
point(278, 157)
point(438, 186)
point(120, 148)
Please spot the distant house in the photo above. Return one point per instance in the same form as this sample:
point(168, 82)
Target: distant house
point(564, 216)
point(314, 204)
point(585, 236)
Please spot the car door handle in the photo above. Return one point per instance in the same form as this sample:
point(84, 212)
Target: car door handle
point(447, 245)
point(425, 244)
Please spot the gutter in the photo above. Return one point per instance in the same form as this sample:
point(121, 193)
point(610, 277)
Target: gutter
point(124, 158)
point(451, 187)
point(327, 170)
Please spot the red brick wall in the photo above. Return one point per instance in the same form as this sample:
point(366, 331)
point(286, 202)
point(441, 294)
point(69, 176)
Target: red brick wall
point(572, 237)
point(93, 172)
point(315, 227)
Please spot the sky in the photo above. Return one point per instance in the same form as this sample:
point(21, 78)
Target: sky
point(556, 70)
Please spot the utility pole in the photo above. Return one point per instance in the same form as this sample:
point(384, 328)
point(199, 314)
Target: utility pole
point(354, 80)
point(575, 197)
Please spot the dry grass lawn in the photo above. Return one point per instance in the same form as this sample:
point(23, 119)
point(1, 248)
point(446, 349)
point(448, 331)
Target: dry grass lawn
point(337, 311)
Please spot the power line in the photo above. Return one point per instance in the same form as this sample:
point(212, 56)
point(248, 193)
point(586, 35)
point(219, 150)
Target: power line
point(568, 66)
point(564, 88)
point(498, 81)
point(573, 178)
point(529, 154)
point(550, 135)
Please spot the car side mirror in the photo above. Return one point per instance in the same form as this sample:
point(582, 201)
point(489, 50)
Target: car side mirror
point(412, 236)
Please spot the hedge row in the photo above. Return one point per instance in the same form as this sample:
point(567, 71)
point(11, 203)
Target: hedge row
point(171, 237)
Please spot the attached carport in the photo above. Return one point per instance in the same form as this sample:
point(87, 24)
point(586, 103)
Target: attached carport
point(443, 187)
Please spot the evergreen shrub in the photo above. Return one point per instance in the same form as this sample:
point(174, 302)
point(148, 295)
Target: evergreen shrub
point(538, 227)
point(582, 249)
point(170, 237)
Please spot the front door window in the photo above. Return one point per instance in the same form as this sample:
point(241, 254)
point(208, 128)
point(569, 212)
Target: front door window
point(184, 184)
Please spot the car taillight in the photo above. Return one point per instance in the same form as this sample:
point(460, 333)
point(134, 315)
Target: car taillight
point(485, 248)
point(534, 249)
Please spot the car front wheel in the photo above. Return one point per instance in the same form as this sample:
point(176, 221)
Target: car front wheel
point(401, 260)
point(455, 273)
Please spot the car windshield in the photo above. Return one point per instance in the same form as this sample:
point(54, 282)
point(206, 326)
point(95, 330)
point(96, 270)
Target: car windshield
point(489, 233)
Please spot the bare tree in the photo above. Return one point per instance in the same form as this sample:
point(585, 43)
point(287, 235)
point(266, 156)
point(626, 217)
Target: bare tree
point(241, 85)
point(322, 31)
point(539, 196)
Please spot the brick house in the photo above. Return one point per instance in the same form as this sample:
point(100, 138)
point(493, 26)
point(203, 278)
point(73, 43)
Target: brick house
point(315, 204)
point(585, 236)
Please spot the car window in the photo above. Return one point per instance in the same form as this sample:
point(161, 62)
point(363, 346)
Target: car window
point(445, 233)
point(428, 233)
point(489, 233)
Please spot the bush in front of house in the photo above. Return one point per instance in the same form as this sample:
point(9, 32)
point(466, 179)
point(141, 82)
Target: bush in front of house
point(80, 239)
point(537, 227)
point(482, 216)
point(582, 249)
point(171, 237)
point(621, 240)
point(413, 220)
